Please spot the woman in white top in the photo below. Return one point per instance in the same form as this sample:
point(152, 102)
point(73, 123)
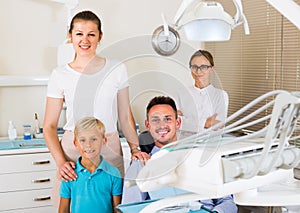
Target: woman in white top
point(89, 86)
point(202, 105)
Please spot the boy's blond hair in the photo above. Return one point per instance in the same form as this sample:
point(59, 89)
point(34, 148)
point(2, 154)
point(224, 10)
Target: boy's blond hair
point(88, 123)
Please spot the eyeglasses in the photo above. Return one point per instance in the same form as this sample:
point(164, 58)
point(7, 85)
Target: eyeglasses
point(203, 67)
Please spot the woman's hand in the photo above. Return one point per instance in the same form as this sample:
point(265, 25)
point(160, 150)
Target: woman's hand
point(211, 121)
point(139, 155)
point(66, 171)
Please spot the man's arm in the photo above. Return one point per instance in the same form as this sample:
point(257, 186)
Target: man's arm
point(225, 205)
point(132, 193)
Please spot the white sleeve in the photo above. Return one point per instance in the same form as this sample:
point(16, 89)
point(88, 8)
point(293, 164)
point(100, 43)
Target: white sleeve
point(53, 89)
point(123, 76)
point(189, 119)
point(222, 106)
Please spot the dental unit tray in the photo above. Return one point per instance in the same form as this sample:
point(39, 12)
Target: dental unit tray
point(211, 166)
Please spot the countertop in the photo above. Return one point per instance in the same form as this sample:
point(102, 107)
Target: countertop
point(19, 146)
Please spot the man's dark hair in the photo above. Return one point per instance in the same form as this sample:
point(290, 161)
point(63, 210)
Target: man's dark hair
point(161, 100)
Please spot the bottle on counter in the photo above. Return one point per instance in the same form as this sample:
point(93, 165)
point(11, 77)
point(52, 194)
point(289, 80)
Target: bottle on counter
point(12, 132)
point(27, 132)
point(37, 124)
point(137, 128)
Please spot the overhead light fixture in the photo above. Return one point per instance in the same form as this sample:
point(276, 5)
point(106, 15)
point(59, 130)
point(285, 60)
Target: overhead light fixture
point(207, 21)
point(201, 21)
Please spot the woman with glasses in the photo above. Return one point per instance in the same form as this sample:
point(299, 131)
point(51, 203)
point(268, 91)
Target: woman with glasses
point(202, 105)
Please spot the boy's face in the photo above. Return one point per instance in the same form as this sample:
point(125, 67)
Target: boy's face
point(89, 143)
point(162, 124)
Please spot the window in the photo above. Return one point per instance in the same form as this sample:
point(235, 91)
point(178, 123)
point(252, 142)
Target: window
point(268, 59)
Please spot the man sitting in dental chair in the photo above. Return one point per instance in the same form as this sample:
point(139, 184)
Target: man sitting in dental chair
point(162, 123)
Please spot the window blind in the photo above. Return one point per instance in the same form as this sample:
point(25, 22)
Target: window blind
point(248, 66)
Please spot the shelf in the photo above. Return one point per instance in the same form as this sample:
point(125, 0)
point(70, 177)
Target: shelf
point(15, 81)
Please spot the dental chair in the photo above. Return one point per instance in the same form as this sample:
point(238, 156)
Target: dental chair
point(208, 165)
point(146, 141)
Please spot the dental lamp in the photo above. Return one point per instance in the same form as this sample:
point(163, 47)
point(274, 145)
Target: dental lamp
point(70, 5)
point(201, 21)
point(207, 21)
point(65, 52)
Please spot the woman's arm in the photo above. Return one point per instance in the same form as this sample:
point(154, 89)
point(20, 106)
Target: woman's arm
point(128, 125)
point(187, 109)
point(211, 121)
point(221, 107)
point(52, 113)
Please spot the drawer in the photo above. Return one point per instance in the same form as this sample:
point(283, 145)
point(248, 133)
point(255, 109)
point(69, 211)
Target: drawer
point(26, 163)
point(25, 199)
point(46, 209)
point(26, 181)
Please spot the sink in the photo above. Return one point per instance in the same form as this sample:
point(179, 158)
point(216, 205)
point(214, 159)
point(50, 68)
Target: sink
point(22, 144)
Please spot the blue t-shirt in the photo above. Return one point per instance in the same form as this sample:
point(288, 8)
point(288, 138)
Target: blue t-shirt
point(93, 192)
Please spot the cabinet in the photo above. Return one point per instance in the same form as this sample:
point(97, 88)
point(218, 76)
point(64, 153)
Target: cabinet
point(26, 178)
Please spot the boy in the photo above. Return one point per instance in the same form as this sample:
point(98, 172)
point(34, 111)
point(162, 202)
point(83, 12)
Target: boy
point(98, 187)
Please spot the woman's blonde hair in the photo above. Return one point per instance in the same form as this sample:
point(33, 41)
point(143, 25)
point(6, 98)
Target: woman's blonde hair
point(88, 123)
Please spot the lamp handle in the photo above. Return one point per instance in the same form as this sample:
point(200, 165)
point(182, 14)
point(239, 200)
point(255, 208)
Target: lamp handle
point(165, 25)
point(184, 5)
point(239, 17)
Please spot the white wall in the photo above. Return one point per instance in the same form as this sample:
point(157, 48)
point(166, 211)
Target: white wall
point(31, 30)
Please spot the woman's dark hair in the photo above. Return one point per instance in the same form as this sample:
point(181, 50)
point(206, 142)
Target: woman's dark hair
point(86, 16)
point(162, 100)
point(204, 53)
